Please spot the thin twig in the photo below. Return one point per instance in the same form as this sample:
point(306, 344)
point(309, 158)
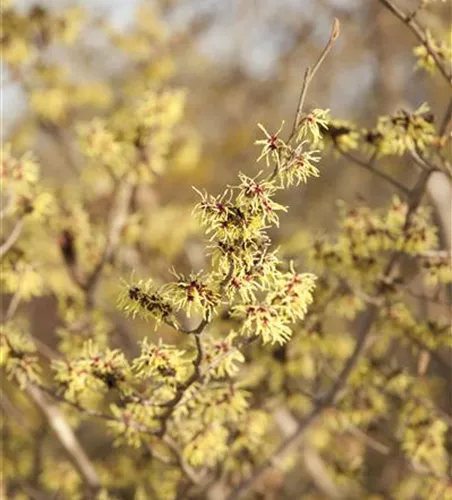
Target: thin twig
point(96, 414)
point(370, 168)
point(12, 238)
point(301, 99)
point(67, 438)
point(118, 219)
point(368, 440)
point(9, 205)
point(310, 73)
point(446, 119)
point(420, 34)
point(335, 32)
point(13, 305)
point(188, 471)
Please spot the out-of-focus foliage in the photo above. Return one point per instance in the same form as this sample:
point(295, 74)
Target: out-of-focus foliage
point(188, 346)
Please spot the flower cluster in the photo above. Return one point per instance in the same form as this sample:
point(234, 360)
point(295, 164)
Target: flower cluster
point(313, 125)
point(20, 187)
point(432, 334)
point(91, 372)
point(286, 303)
point(423, 436)
point(404, 131)
point(136, 138)
point(160, 360)
point(222, 357)
point(443, 49)
point(367, 233)
point(24, 34)
point(54, 102)
point(301, 166)
point(194, 293)
point(436, 268)
point(343, 134)
point(18, 356)
point(143, 299)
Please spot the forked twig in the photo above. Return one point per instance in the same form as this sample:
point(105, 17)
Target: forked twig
point(310, 73)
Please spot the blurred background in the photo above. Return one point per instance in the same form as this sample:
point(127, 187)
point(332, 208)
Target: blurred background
point(241, 62)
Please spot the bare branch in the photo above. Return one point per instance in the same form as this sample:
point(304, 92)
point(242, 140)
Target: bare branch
point(12, 306)
point(310, 73)
point(420, 34)
point(12, 238)
point(118, 219)
point(67, 438)
point(368, 440)
point(9, 204)
point(370, 168)
point(446, 119)
point(335, 32)
point(188, 471)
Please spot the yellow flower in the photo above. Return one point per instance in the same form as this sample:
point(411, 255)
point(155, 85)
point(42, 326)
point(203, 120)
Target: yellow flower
point(15, 50)
point(50, 104)
point(70, 24)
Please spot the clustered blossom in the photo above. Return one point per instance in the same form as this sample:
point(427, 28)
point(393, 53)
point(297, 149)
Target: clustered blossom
point(216, 406)
point(443, 50)
point(131, 422)
point(432, 334)
point(436, 269)
point(293, 293)
point(93, 371)
point(313, 125)
point(222, 357)
point(208, 448)
point(263, 320)
point(21, 190)
point(249, 440)
point(422, 435)
point(24, 34)
point(194, 294)
point(301, 166)
point(160, 360)
point(26, 204)
point(145, 300)
point(343, 134)
point(404, 131)
point(286, 303)
point(237, 220)
point(366, 232)
point(18, 356)
point(135, 139)
point(237, 223)
point(255, 197)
